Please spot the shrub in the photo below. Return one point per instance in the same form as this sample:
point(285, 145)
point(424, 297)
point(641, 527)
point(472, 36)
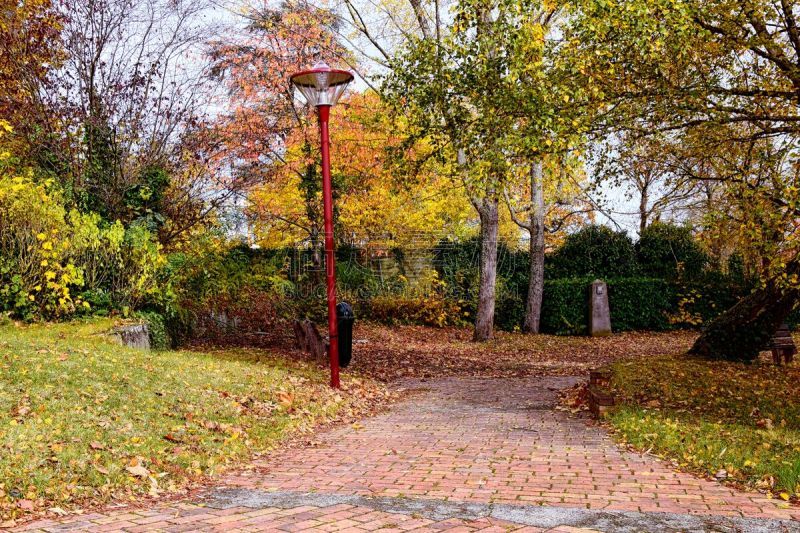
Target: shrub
point(509, 308)
point(229, 289)
point(594, 251)
point(36, 273)
point(156, 325)
point(431, 310)
point(640, 303)
point(223, 269)
point(457, 266)
point(565, 306)
point(123, 262)
point(352, 277)
point(47, 254)
point(669, 251)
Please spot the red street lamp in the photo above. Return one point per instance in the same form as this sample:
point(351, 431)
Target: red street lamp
point(322, 87)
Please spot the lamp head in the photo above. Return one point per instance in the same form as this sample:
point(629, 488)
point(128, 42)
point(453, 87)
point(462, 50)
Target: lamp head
point(322, 85)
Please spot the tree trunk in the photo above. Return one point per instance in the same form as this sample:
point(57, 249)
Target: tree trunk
point(744, 330)
point(643, 211)
point(484, 319)
point(533, 305)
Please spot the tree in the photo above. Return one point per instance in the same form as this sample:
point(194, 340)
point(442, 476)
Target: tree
point(377, 204)
point(547, 127)
point(496, 94)
point(721, 76)
point(556, 205)
point(643, 166)
point(262, 113)
point(448, 90)
point(130, 97)
point(30, 47)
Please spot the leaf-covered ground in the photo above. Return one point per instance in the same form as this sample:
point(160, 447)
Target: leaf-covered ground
point(85, 421)
point(735, 422)
point(388, 353)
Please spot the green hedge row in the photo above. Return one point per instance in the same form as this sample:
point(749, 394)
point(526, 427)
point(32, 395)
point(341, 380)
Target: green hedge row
point(637, 303)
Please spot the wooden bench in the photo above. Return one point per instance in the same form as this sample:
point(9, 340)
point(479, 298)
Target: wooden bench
point(782, 345)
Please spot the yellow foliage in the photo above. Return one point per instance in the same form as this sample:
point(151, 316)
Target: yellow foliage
point(46, 252)
point(377, 204)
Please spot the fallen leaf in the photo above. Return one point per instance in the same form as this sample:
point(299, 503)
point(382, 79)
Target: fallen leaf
point(25, 505)
point(138, 471)
point(285, 398)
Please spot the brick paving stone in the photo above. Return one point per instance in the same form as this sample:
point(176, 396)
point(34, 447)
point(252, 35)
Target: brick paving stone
point(459, 440)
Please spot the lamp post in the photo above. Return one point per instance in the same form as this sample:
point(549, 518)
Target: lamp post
point(322, 87)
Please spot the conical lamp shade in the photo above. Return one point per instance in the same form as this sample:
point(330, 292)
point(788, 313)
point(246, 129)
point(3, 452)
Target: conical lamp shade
point(322, 85)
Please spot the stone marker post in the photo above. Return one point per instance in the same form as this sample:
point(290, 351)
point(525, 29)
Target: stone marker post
point(600, 314)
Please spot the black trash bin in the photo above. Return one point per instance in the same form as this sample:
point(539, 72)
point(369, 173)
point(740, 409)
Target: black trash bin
point(345, 319)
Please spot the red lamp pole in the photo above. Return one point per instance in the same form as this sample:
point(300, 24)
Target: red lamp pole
point(323, 111)
point(322, 86)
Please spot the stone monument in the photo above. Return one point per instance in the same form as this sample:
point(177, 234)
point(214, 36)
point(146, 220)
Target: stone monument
point(599, 313)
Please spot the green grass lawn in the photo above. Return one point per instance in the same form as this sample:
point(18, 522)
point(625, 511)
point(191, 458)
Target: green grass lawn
point(714, 416)
point(83, 420)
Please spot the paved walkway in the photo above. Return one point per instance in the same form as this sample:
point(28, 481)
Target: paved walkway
point(460, 455)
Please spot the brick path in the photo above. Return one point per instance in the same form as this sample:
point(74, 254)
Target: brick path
point(461, 455)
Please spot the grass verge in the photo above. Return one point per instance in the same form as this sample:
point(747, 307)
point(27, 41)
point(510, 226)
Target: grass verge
point(85, 421)
point(736, 422)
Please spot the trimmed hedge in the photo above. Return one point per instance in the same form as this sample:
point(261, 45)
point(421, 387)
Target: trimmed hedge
point(635, 303)
point(652, 304)
point(670, 252)
point(595, 251)
point(565, 306)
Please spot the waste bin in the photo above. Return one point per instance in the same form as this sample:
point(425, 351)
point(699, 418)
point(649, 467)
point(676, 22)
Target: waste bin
point(345, 319)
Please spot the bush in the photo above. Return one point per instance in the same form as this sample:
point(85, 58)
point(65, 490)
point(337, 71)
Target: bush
point(47, 254)
point(669, 251)
point(124, 263)
point(222, 269)
point(509, 309)
point(640, 303)
point(457, 265)
point(429, 310)
point(36, 271)
point(156, 325)
point(229, 289)
point(594, 251)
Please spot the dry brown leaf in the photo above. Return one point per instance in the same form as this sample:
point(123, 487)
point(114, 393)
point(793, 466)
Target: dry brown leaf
point(138, 471)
